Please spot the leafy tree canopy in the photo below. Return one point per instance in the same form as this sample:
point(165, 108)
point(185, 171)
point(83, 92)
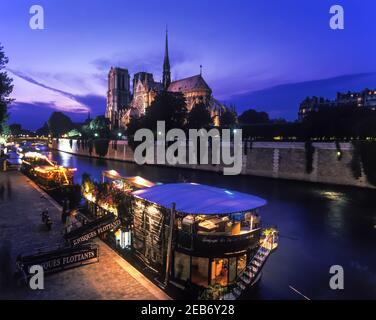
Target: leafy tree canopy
point(97, 127)
point(341, 121)
point(43, 131)
point(228, 119)
point(15, 129)
point(252, 116)
point(169, 107)
point(100, 123)
point(59, 124)
point(6, 88)
point(199, 117)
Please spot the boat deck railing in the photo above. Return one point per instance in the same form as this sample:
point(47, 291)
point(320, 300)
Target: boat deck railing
point(251, 272)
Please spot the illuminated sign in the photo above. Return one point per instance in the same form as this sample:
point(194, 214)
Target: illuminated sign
point(93, 229)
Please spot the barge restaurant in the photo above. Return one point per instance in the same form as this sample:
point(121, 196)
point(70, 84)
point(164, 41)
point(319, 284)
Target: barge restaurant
point(195, 236)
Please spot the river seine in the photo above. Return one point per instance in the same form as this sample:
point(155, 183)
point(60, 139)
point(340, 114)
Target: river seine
point(320, 226)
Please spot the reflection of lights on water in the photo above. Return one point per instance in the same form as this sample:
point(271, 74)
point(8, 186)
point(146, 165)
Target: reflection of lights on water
point(334, 215)
point(331, 195)
point(65, 159)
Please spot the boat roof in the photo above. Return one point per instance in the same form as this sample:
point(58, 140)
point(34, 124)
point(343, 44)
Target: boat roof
point(136, 180)
point(193, 198)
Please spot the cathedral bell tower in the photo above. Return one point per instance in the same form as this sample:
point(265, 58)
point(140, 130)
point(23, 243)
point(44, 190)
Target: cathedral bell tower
point(166, 67)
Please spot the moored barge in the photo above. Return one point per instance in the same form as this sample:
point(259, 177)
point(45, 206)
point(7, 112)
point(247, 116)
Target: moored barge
point(45, 172)
point(202, 239)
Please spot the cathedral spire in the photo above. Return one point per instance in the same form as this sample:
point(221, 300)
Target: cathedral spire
point(166, 66)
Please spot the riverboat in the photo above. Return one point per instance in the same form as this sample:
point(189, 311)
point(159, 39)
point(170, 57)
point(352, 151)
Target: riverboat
point(47, 173)
point(201, 239)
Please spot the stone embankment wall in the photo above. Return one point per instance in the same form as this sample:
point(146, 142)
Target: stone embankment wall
point(283, 160)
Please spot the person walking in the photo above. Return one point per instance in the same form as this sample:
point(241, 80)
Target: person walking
point(64, 211)
point(48, 223)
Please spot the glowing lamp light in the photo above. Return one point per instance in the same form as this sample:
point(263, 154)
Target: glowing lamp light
point(96, 135)
point(142, 182)
point(119, 134)
point(113, 173)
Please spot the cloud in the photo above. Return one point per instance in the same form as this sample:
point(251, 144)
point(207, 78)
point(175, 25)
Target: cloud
point(28, 90)
point(37, 83)
point(33, 115)
point(34, 98)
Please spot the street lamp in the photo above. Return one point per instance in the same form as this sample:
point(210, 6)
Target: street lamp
point(96, 135)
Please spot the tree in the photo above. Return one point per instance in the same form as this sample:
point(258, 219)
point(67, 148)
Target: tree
point(99, 127)
point(252, 116)
point(6, 88)
point(199, 117)
point(74, 133)
point(134, 124)
point(99, 123)
point(43, 131)
point(169, 107)
point(341, 122)
point(228, 119)
point(15, 129)
point(59, 124)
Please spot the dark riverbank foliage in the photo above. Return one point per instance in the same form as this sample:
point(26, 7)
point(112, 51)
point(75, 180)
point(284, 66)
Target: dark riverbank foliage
point(356, 164)
point(365, 156)
point(101, 147)
point(6, 89)
point(309, 151)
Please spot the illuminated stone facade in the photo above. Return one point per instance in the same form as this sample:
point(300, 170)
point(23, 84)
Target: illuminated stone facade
point(145, 88)
point(118, 95)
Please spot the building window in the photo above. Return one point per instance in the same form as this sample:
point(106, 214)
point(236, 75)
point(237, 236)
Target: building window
point(219, 271)
point(182, 266)
point(232, 270)
point(242, 263)
point(200, 270)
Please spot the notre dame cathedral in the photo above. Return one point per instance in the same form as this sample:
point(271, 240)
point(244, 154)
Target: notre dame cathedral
point(122, 105)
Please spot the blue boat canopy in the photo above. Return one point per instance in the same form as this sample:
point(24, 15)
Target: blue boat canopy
point(193, 198)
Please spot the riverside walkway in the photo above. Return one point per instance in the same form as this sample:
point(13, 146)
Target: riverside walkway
point(21, 232)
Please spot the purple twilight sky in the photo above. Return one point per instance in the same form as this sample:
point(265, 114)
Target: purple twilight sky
point(262, 54)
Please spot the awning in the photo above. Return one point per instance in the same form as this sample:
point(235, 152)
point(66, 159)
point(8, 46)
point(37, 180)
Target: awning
point(192, 198)
point(137, 181)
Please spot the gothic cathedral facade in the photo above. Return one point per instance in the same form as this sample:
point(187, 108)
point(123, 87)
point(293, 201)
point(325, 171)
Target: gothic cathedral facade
point(122, 105)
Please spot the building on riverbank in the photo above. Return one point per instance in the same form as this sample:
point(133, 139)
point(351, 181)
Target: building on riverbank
point(365, 98)
point(122, 105)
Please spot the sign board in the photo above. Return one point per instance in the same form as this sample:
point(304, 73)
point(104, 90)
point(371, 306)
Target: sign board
point(59, 259)
point(93, 229)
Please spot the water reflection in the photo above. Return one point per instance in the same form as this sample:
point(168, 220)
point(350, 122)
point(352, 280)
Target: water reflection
point(332, 195)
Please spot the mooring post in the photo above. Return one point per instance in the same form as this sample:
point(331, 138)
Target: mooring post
point(169, 247)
